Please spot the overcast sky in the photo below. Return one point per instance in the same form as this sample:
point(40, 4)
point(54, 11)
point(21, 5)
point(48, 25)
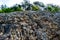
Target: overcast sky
point(10, 3)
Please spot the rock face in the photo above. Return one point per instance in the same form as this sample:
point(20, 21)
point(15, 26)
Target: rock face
point(29, 25)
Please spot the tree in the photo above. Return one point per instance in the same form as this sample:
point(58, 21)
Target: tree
point(16, 7)
point(3, 6)
point(39, 4)
point(26, 5)
point(35, 8)
point(52, 8)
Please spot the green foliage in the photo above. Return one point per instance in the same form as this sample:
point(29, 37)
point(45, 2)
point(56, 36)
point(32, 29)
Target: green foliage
point(35, 8)
point(16, 8)
point(52, 8)
point(6, 10)
point(1, 11)
point(27, 6)
point(39, 4)
point(11, 9)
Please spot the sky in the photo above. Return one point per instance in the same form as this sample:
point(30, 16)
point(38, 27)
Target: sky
point(10, 3)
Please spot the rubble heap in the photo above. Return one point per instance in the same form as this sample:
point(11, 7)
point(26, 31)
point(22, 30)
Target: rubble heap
point(29, 25)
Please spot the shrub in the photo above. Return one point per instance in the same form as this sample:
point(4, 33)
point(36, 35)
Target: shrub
point(35, 8)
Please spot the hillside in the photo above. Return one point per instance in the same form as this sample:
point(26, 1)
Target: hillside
point(30, 25)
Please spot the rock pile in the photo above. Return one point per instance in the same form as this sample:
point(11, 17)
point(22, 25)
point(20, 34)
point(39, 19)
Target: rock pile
point(29, 25)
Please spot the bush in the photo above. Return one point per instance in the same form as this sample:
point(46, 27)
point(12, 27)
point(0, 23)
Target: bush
point(6, 10)
point(35, 8)
point(52, 9)
point(1, 11)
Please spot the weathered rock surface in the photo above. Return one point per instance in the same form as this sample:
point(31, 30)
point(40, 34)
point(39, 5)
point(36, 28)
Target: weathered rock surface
point(29, 25)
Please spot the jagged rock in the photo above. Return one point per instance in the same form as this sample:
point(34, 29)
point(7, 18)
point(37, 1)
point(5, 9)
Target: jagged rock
point(30, 25)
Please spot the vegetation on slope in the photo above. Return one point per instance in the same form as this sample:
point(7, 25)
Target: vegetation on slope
point(28, 6)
